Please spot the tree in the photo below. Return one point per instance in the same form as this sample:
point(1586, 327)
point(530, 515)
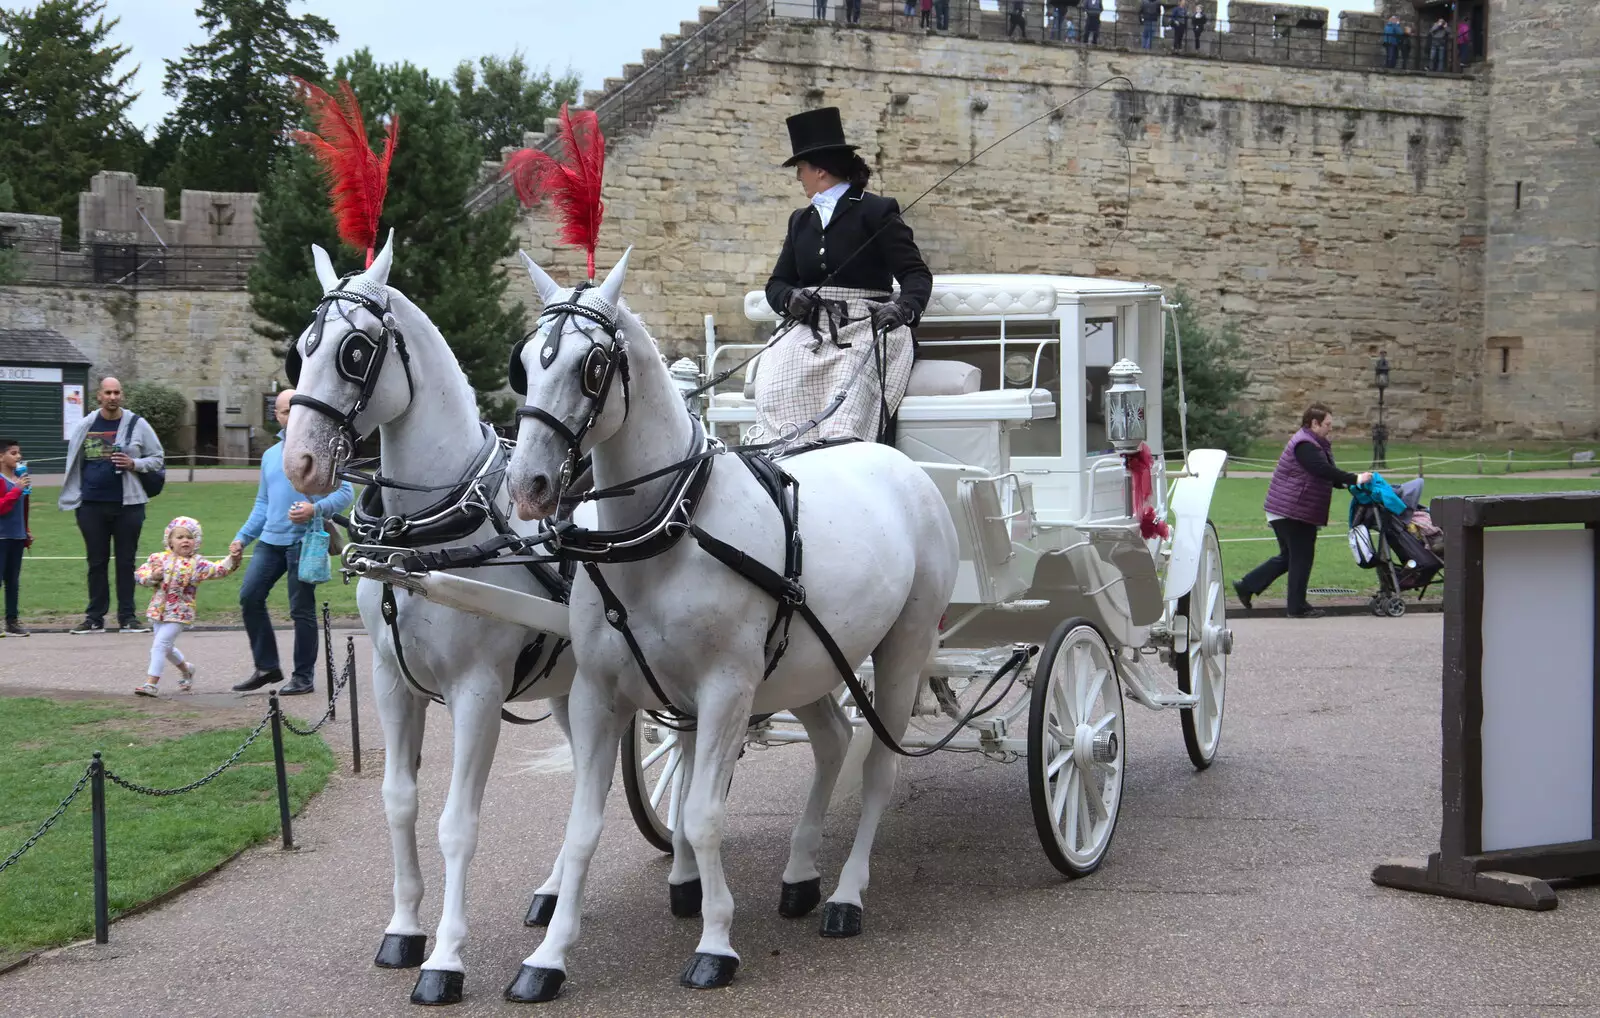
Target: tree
point(236, 102)
point(9, 270)
point(162, 406)
point(1215, 384)
point(65, 106)
point(447, 260)
point(509, 101)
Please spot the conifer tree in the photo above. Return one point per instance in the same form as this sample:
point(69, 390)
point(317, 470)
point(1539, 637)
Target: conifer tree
point(447, 260)
point(1216, 383)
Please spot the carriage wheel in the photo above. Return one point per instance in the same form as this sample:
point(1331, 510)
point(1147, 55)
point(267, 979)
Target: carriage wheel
point(653, 775)
point(1203, 668)
point(1076, 748)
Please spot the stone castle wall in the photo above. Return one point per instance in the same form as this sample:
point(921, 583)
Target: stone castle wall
point(1331, 214)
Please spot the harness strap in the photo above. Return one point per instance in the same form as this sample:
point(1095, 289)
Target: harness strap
point(391, 615)
point(617, 617)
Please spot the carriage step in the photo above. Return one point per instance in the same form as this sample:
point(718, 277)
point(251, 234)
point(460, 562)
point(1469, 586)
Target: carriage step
point(1172, 699)
point(1022, 606)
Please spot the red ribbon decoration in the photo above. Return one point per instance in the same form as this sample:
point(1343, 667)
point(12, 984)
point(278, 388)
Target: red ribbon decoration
point(1139, 466)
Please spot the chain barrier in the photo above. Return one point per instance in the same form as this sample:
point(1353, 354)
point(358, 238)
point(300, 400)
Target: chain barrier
point(49, 821)
point(134, 786)
point(327, 715)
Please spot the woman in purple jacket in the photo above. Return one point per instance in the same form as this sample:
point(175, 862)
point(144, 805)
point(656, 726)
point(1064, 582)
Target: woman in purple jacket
point(1297, 506)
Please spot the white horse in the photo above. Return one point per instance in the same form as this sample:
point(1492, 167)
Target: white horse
point(373, 360)
point(880, 558)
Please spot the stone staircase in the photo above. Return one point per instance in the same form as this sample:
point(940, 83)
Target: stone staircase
point(679, 67)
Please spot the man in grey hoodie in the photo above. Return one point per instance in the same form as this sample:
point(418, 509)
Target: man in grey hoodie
point(105, 452)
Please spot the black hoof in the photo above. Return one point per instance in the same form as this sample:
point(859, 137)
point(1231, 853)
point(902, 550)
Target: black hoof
point(535, 986)
point(709, 971)
point(402, 950)
point(799, 899)
point(685, 899)
point(438, 986)
point(841, 919)
point(540, 910)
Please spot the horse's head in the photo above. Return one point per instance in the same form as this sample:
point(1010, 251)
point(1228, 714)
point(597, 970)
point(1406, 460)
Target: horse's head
point(346, 381)
point(566, 370)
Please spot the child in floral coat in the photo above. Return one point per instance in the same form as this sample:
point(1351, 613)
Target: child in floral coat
point(175, 573)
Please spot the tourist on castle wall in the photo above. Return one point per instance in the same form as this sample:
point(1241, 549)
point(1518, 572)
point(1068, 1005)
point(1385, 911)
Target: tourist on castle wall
point(927, 14)
point(1198, 22)
point(1408, 42)
point(1058, 19)
point(1298, 498)
point(852, 12)
point(822, 10)
point(1179, 19)
point(1091, 20)
point(1017, 20)
point(1392, 34)
point(1149, 22)
point(941, 15)
point(1463, 44)
point(276, 524)
point(1438, 39)
point(106, 452)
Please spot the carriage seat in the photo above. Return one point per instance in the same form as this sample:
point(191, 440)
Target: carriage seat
point(928, 378)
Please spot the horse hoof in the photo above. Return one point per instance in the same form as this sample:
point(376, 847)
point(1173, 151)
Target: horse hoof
point(541, 910)
point(535, 985)
point(709, 971)
point(799, 899)
point(402, 951)
point(685, 898)
point(438, 986)
point(841, 919)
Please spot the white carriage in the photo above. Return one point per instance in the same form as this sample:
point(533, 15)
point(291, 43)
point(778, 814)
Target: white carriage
point(1006, 410)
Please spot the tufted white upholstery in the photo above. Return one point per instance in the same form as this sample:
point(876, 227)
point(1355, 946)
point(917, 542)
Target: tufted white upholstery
point(952, 299)
point(943, 378)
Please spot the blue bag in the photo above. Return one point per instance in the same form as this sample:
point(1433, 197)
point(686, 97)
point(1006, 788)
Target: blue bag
point(314, 567)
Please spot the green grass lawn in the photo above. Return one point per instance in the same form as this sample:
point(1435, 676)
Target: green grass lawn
point(153, 844)
point(1236, 511)
point(54, 584)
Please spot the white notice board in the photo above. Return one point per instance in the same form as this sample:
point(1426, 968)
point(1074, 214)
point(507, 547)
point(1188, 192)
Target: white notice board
point(71, 409)
point(1538, 687)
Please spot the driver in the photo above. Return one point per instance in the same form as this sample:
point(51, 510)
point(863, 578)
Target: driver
point(833, 285)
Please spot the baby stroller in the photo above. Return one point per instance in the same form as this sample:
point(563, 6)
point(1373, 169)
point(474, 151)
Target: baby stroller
point(1391, 534)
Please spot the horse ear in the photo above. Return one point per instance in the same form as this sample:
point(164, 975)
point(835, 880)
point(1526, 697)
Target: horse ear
point(378, 272)
point(546, 286)
point(325, 274)
point(611, 289)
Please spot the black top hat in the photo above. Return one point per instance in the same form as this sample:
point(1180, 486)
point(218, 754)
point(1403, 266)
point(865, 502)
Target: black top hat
point(816, 131)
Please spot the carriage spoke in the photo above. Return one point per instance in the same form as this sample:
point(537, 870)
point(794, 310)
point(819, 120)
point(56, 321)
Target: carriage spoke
point(1102, 724)
point(1091, 692)
point(1064, 739)
point(1064, 708)
point(677, 793)
point(1065, 796)
point(658, 753)
point(1059, 761)
point(1091, 787)
point(1212, 596)
point(667, 773)
point(1085, 818)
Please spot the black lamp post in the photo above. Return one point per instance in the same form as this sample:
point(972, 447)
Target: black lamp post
point(1380, 432)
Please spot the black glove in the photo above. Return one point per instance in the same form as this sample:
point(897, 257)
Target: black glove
point(890, 316)
point(800, 304)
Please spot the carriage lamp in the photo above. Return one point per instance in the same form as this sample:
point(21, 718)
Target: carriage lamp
point(1380, 431)
point(1019, 369)
point(1124, 404)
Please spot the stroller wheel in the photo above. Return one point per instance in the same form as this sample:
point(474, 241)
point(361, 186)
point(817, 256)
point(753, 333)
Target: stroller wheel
point(1395, 606)
point(1378, 605)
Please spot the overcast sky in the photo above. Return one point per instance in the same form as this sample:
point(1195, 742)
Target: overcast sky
point(592, 37)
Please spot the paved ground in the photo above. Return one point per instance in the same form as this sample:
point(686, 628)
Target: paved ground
point(1242, 891)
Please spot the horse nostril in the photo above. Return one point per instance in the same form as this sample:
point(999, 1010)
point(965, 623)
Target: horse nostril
point(306, 464)
point(539, 488)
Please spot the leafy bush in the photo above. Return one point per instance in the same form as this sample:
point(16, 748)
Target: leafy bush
point(1214, 383)
point(162, 406)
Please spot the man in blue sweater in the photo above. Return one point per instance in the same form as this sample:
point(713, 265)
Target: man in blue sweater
point(277, 523)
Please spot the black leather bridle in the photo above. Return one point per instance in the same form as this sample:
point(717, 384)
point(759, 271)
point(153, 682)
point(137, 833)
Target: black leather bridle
point(600, 366)
point(359, 361)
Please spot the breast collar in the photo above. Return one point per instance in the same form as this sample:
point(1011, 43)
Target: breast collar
point(463, 509)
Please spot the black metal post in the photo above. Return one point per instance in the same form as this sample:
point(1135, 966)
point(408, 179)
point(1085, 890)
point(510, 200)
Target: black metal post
point(1380, 438)
point(97, 809)
point(355, 709)
point(327, 656)
point(283, 774)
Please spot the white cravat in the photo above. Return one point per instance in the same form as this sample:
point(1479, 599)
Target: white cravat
point(824, 201)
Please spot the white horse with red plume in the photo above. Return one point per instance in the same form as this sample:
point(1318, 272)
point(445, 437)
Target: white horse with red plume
point(650, 618)
point(371, 360)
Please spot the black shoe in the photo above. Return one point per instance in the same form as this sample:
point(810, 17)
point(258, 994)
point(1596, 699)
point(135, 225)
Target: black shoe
point(259, 678)
point(132, 626)
point(1309, 613)
point(1244, 597)
point(13, 628)
point(89, 626)
point(297, 687)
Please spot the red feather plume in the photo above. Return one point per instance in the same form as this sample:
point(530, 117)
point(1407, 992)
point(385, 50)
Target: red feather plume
point(358, 178)
point(573, 185)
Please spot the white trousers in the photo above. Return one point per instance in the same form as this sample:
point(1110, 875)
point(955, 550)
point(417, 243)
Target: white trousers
point(163, 647)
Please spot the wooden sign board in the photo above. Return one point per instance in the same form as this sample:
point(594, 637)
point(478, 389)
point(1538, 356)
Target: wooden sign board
point(1521, 703)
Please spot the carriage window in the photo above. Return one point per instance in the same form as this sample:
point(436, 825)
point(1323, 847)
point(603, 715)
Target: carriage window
point(978, 344)
point(1100, 345)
